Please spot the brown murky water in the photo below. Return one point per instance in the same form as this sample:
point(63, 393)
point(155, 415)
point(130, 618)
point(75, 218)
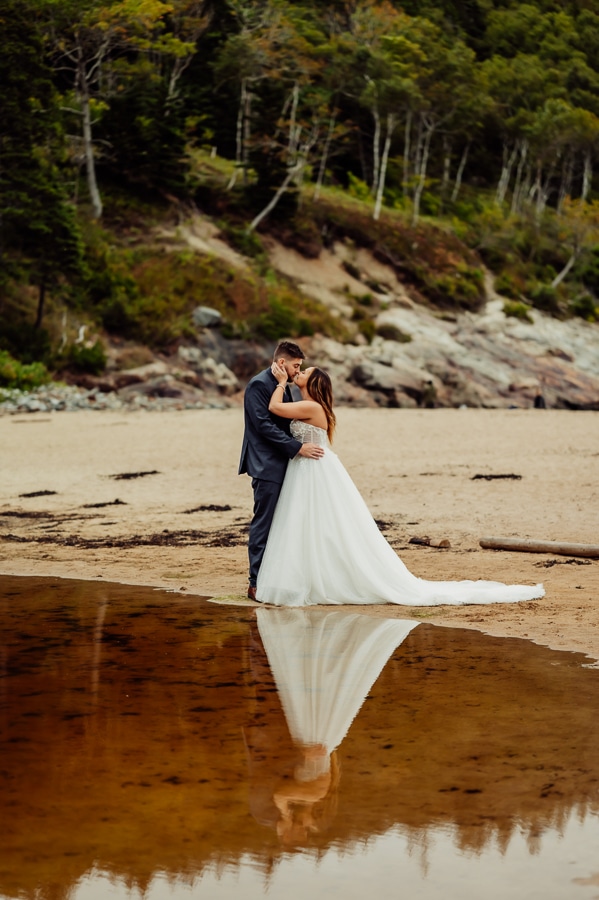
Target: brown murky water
point(158, 746)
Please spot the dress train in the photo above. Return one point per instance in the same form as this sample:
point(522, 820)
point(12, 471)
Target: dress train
point(324, 547)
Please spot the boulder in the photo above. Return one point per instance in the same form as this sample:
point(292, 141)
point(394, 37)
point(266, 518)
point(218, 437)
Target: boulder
point(206, 317)
point(164, 386)
point(216, 376)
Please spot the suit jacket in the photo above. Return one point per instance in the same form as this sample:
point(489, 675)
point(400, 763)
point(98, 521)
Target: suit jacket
point(267, 443)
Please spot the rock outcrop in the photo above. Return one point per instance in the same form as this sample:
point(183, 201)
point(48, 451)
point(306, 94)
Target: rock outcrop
point(419, 356)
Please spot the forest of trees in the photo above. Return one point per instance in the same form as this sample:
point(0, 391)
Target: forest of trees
point(479, 113)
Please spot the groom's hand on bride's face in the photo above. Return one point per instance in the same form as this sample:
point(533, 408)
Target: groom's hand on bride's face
point(279, 372)
point(311, 451)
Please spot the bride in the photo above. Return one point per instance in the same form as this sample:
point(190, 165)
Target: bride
point(324, 546)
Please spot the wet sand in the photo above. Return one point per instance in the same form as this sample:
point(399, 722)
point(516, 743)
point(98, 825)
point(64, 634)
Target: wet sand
point(181, 520)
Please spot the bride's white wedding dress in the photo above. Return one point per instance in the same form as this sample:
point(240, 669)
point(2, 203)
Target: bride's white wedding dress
point(324, 547)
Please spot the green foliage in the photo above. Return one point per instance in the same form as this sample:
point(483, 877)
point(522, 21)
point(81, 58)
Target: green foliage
point(310, 85)
point(364, 299)
point(507, 286)
point(145, 136)
point(39, 236)
point(246, 242)
point(358, 188)
point(150, 296)
point(351, 269)
point(390, 332)
point(277, 320)
point(544, 297)
point(516, 309)
point(462, 287)
point(24, 376)
point(587, 271)
point(81, 358)
point(20, 337)
point(585, 306)
point(367, 328)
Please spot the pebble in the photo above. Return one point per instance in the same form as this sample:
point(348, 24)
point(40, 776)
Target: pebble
point(58, 397)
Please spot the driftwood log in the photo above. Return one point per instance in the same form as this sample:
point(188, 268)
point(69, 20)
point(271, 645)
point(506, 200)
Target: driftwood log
point(425, 541)
point(560, 548)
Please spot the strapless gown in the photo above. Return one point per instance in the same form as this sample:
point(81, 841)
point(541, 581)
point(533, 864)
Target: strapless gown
point(324, 547)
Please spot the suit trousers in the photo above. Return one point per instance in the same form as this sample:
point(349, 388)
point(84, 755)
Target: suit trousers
point(266, 494)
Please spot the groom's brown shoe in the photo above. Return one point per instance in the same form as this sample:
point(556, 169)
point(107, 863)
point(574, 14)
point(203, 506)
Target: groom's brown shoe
point(252, 592)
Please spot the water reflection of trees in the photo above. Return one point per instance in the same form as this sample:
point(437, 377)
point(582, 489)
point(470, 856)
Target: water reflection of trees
point(133, 757)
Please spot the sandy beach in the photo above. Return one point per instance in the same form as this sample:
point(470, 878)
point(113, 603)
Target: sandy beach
point(182, 512)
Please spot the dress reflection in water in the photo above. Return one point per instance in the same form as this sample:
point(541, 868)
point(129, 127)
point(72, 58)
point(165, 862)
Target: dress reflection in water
point(323, 663)
point(324, 547)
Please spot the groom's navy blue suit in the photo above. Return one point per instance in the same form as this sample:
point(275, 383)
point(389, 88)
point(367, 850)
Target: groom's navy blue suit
point(267, 447)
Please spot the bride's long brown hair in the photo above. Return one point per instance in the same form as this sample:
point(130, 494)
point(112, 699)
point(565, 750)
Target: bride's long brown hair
point(320, 389)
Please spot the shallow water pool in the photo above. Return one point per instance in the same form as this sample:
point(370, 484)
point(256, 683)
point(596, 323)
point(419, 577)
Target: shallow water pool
point(159, 746)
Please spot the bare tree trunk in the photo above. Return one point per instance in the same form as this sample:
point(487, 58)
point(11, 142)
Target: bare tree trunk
point(241, 134)
point(565, 188)
point(363, 163)
point(376, 141)
point(323, 159)
point(516, 194)
point(506, 174)
point(303, 155)
point(542, 193)
point(277, 196)
point(418, 148)
point(527, 182)
point(179, 66)
point(41, 301)
point(90, 165)
point(561, 275)
point(587, 175)
point(460, 173)
point(247, 126)
point(406, 152)
point(293, 132)
point(384, 161)
point(446, 166)
point(422, 173)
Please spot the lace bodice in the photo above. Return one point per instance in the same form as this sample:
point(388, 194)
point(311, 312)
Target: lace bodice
point(308, 434)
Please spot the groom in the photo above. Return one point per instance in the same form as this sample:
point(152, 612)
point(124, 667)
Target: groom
point(267, 448)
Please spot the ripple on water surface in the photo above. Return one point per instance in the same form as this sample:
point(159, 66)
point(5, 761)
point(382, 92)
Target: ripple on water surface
point(160, 746)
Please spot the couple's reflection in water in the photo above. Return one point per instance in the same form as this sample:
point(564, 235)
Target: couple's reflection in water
point(312, 669)
point(143, 735)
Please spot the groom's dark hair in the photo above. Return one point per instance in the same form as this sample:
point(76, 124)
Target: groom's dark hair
point(289, 350)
